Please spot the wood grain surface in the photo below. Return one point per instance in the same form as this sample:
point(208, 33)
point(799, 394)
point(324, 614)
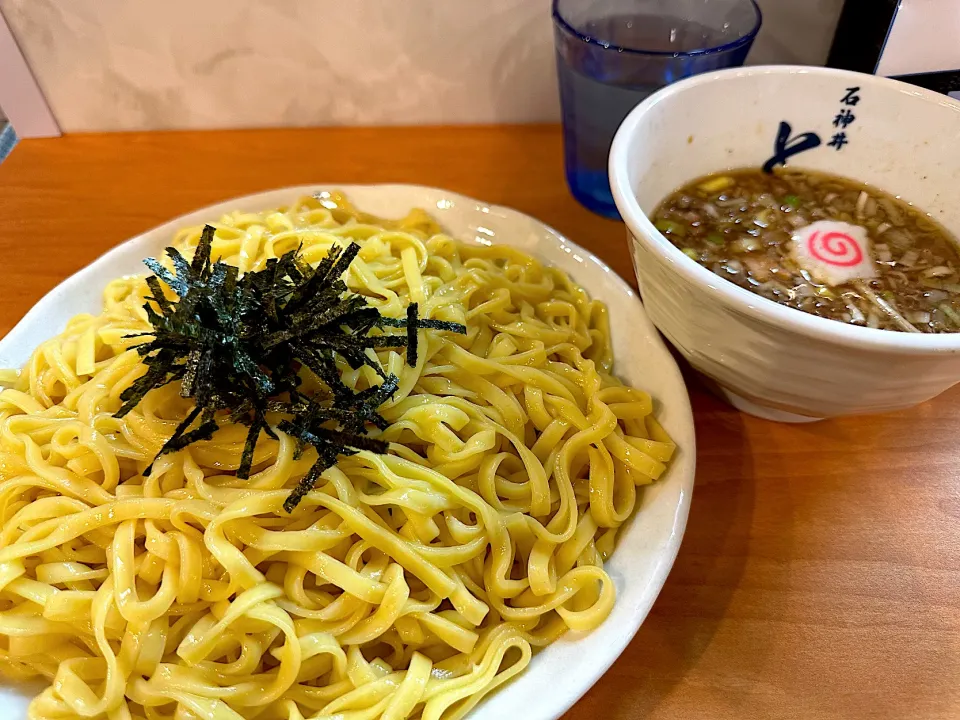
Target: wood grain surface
point(820, 572)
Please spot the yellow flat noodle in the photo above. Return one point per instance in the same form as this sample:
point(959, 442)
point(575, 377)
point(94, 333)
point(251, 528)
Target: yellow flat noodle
point(406, 585)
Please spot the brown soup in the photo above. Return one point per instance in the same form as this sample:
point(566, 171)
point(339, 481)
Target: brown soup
point(741, 225)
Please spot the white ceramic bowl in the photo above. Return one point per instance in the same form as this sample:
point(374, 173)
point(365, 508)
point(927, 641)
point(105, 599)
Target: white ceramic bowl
point(559, 674)
point(770, 360)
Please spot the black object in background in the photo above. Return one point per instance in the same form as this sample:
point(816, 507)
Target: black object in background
point(945, 81)
point(861, 34)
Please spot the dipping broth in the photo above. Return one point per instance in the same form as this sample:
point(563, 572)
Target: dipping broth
point(742, 225)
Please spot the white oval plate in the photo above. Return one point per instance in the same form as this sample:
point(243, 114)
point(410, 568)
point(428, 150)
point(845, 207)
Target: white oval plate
point(560, 674)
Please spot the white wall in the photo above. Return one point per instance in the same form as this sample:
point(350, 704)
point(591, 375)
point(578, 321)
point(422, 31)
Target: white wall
point(150, 64)
point(923, 38)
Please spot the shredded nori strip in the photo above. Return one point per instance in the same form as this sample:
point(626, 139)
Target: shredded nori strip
point(239, 345)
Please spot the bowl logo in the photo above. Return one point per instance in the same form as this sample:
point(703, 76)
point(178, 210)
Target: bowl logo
point(785, 146)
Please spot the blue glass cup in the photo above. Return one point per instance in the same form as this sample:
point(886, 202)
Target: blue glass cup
point(611, 54)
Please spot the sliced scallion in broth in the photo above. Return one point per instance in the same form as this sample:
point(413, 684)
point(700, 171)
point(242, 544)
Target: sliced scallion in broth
point(740, 224)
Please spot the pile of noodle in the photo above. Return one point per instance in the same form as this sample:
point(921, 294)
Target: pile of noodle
point(410, 584)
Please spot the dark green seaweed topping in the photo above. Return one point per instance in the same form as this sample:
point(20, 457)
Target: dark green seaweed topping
point(240, 346)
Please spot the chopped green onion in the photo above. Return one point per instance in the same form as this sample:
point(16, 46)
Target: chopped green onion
point(692, 254)
point(909, 258)
point(763, 218)
point(716, 184)
point(950, 313)
point(669, 227)
point(938, 272)
point(856, 314)
point(791, 201)
point(715, 239)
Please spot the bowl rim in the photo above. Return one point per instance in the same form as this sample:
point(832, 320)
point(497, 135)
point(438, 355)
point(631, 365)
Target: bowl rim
point(731, 295)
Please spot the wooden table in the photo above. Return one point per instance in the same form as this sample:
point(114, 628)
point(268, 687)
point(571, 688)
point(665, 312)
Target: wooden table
point(820, 573)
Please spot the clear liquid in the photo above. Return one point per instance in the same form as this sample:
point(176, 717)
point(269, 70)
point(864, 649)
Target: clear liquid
point(592, 112)
point(594, 107)
point(658, 33)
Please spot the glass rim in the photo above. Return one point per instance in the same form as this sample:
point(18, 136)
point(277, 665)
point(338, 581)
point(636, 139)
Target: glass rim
point(561, 22)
